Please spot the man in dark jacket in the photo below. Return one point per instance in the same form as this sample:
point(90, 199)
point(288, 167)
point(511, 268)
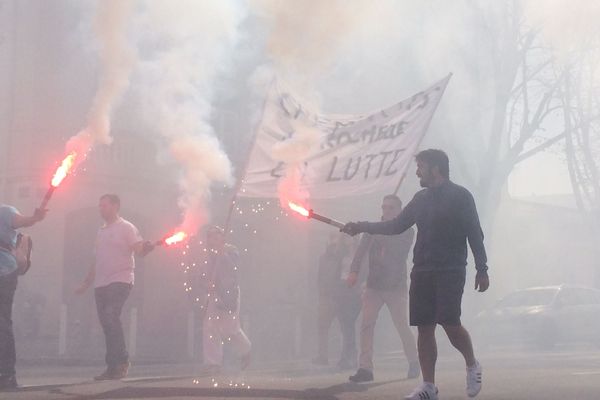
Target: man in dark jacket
point(337, 300)
point(446, 217)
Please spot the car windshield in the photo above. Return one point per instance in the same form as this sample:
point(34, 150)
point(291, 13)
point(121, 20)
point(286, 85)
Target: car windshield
point(528, 298)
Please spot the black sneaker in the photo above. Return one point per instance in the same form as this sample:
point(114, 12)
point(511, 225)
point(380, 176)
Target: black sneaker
point(8, 382)
point(362, 375)
point(414, 370)
point(107, 375)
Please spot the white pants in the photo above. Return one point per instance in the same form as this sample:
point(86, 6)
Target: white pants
point(220, 327)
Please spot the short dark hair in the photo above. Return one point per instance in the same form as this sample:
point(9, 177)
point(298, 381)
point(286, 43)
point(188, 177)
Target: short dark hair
point(113, 198)
point(435, 158)
point(394, 198)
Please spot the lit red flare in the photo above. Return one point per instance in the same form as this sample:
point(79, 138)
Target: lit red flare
point(173, 239)
point(311, 214)
point(299, 209)
point(61, 173)
point(64, 169)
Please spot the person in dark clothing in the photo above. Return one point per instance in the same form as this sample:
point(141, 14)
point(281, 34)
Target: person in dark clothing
point(446, 218)
point(337, 301)
point(386, 284)
point(10, 221)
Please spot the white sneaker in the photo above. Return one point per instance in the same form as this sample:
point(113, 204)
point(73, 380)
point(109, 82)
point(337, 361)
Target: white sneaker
point(474, 379)
point(425, 391)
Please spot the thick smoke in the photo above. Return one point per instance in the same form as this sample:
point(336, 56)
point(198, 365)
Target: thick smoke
point(302, 45)
point(189, 44)
point(117, 59)
point(566, 25)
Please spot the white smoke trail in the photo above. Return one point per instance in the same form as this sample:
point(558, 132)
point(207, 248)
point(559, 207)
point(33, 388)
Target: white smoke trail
point(293, 152)
point(189, 44)
point(304, 42)
point(117, 60)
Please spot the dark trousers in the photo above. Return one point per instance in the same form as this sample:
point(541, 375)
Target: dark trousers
point(8, 285)
point(345, 309)
point(109, 303)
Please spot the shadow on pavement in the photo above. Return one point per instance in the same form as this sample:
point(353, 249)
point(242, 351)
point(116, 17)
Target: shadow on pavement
point(328, 393)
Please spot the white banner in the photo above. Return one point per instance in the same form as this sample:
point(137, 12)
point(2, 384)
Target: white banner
point(352, 154)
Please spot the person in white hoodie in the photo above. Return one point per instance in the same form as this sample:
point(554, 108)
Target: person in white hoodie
point(218, 276)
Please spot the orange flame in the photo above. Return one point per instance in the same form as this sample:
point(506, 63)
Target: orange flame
point(175, 238)
point(63, 170)
point(299, 209)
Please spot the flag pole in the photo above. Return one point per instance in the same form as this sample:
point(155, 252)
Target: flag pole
point(244, 169)
point(403, 176)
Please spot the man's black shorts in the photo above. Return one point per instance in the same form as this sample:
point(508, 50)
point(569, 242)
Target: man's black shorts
point(435, 296)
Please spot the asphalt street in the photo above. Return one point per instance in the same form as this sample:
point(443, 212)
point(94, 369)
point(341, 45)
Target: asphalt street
point(509, 374)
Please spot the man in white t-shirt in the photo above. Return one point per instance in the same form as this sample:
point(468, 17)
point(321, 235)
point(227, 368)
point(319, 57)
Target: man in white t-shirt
point(113, 275)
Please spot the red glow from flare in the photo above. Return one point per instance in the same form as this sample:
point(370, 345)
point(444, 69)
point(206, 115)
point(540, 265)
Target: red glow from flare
point(63, 170)
point(175, 238)
point(299, 209)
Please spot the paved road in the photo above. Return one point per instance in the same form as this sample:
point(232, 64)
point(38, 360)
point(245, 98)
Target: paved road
point(508, 375)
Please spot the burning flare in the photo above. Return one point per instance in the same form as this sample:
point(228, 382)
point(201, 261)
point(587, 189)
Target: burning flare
point(299, 209)
point(175, 238)
point(64, 169)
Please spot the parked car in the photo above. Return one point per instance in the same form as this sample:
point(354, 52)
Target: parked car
point(543, 316)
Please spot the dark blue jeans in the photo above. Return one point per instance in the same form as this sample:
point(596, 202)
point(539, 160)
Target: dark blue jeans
point(109, 303)
point(8, 285)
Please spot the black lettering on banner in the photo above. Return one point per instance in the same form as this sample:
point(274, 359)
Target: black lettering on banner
point(425, 101)
point(286, 100)
point(277, 172)
point(413, 100)
point(369, 158)
point(382, 132)
point(370, 133)
point(384, 155)
point(330, 142)
point(331, 178)
point(389, 171)
point(344, 138)
point(349, 175)
point(400, 128)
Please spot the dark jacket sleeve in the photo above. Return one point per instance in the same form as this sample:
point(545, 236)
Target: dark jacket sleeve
point(396, 226)
point(474, 233)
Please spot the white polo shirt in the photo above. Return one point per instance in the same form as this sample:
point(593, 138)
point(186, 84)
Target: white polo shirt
point(114, 253)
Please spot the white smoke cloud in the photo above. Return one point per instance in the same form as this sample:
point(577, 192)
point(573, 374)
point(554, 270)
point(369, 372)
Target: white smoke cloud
point(189, 43)
point(117, 59)
point(567, 25)
point(304, 41)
